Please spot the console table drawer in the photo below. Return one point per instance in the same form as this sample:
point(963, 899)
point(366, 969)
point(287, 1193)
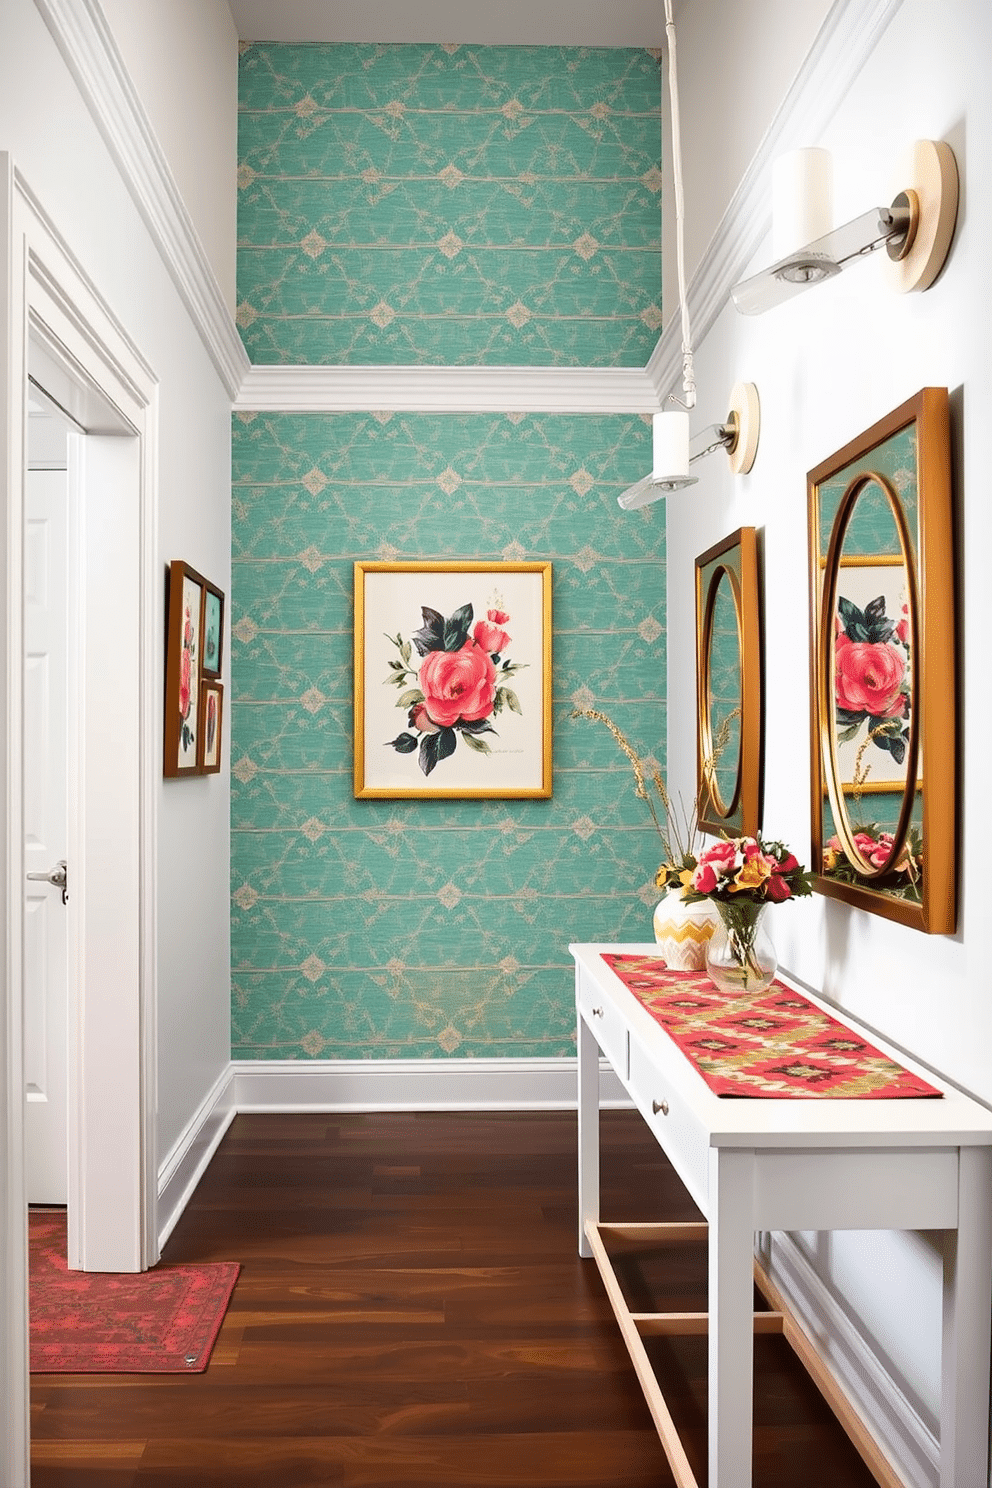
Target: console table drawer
point(608, 1025)
point(676, 1127)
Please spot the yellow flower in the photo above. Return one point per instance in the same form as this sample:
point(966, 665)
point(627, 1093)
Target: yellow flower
point(661, 877)
point(752, 875)
point(829, 860)
point(685, 877)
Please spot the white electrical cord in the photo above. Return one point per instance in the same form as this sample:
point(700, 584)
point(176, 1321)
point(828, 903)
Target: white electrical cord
point(688, 371)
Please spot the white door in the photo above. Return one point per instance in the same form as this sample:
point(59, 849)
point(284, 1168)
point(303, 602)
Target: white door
point(45, 811)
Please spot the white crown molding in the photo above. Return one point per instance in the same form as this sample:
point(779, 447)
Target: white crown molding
point(448, 389)
point(842, 46)
point(86, 43)
point(415, 1085)
point(845, 41)
point(876, 1398)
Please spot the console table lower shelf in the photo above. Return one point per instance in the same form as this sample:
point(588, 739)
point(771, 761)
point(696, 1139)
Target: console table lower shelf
point(636, 1326)
point(765, 1165)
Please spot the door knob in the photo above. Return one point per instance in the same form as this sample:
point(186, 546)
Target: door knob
point(56, 876)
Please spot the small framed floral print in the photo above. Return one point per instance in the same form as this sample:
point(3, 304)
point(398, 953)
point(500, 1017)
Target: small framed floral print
point(183, 652)
point(211, 725)
point(452, 679)
point(882, 693)
point(213, 630)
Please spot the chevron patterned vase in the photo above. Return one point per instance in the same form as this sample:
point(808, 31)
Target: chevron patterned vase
point(683, 931)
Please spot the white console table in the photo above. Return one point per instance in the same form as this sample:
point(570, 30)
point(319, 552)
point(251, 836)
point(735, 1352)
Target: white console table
point(792, 1164)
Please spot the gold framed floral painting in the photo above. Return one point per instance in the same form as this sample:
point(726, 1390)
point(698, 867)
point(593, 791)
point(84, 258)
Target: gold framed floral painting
point(452, 679)
point(883, 709)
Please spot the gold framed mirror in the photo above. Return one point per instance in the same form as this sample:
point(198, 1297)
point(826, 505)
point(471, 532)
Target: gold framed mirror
point(882, 668)
point(728, 687)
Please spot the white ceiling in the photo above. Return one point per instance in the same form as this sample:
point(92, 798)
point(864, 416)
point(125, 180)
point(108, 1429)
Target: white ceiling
point(479, 22)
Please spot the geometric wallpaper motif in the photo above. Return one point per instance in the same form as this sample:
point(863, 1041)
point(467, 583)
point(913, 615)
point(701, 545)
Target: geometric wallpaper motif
point(406, 928)
point(449, 205)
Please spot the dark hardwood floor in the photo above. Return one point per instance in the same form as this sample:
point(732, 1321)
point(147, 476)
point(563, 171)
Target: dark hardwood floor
point(411, 1311)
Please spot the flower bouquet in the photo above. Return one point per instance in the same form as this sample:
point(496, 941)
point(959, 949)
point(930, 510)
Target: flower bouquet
point(742, 876)
point(903, 875)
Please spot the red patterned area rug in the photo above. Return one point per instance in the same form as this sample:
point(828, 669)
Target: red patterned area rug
point(774, 1044)
point(163, 1321)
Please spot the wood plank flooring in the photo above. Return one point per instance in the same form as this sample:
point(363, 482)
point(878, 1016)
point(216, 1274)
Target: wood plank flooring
point(411, 1311)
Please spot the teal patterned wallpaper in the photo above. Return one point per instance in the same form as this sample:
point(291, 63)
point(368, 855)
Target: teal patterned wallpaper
point(365, 929)
point(449, 204)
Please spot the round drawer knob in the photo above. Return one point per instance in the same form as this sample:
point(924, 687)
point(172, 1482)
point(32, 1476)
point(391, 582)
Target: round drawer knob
point(661, 1106)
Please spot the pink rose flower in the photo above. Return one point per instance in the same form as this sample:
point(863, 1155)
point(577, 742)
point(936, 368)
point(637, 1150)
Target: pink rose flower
point(419, 719)
point(868, 679)
point(722, 857)
point(490, 636)
point(715, 863)
point(458, 684)
point(185, 666)
point(776, 888)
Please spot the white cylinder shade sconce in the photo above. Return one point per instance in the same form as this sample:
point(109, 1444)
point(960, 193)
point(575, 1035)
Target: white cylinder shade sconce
point(802, 199)
point(670, 446)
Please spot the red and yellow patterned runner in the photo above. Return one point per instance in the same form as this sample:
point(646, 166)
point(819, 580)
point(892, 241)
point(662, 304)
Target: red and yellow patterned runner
point(775, 1044)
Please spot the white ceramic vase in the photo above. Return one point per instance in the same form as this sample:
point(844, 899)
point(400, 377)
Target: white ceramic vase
point(683, 931)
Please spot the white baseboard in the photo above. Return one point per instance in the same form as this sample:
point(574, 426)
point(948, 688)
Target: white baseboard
point(186, 1164)
point(894, 1423)
point(415, 1085)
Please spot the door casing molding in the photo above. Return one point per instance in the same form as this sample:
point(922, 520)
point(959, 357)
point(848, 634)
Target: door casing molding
point(48, 302)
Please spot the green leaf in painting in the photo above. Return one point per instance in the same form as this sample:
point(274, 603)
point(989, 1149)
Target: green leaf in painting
point(512, 701)
point(430, 637)
point(436, 747)
point(456, 628)
point(403, 743)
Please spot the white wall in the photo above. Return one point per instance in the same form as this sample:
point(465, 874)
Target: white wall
point(827, 365)
point(57, 148)
point(182, 56)
point(735, 63)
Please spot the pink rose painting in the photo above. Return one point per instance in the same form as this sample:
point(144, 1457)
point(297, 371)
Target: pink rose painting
point(455, 686)
point(872, 677)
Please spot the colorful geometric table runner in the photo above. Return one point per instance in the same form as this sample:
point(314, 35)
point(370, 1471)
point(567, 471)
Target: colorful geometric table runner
point(774, 1044)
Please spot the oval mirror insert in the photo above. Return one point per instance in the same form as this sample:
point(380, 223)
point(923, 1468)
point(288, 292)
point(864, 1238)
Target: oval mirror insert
point(724, 692)
point(869, 724)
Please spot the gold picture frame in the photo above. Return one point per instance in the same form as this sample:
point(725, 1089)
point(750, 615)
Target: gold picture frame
point(452, 679)
point(882, 687)
point(183, 667)
point(728, 687)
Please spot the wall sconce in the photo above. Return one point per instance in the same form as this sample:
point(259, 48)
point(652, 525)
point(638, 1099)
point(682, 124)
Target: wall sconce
point(738, 435)
point(916, 230)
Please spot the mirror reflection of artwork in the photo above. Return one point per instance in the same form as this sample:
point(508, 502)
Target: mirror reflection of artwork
point(728, 687)
point(725, 691)
point(882, 606)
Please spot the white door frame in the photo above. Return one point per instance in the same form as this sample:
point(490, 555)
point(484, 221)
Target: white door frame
point(47, 300)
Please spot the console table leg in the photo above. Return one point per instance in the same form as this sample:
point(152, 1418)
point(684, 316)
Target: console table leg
point(588, 1104)
point(731, 1306)
point(964, 1399)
